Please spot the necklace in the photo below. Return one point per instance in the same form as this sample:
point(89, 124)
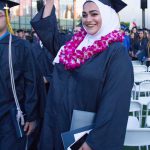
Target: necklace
point(73, 58)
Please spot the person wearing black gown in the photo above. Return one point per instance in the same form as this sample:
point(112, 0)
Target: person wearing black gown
point(18, 97)
point(87, 77)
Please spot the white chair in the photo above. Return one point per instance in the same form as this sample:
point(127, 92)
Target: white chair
point(144, 90)
point(139, 68)
point(147, 121)
point(137, 137)
point(133, 122)
point(136, 107)
point(149, 69)
point(136, 62)
point(134, 92)
point(142, 76)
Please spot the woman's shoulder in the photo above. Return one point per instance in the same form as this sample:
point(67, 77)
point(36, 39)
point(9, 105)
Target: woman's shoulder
point(118, 45)
point(117, 48)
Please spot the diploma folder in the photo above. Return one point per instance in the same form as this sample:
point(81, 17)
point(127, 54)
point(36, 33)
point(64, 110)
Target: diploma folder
point(68, 138)
point(82, 123)
point(81, 119)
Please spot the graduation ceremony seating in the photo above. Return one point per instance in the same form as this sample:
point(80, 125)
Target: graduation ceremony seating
point(139, 68)
point(138, 127)
point(137, 137)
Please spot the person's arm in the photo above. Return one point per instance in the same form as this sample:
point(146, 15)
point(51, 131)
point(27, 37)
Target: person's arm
point(30, 93)
point(45, 25)
point(48, 8)
point(113, 106)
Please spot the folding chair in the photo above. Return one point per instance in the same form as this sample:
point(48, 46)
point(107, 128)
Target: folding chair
point(139, 68)
point(144, 90)
point(142, 76)
point(137, 137)
point(136, 108)
point(136, 62)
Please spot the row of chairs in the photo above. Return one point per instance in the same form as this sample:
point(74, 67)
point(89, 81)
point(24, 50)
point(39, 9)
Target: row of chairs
point(138, 137)
point(141, 92)
point(140, 68)
point(136, 62)
point(135, 134)
point(136, 108)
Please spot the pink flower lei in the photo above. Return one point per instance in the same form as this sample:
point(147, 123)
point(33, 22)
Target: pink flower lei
point(72, 58)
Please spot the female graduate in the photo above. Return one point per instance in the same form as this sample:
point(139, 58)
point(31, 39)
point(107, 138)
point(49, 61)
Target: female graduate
point(92, 72)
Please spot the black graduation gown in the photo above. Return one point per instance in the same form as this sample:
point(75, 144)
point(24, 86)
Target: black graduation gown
point(43, 69)
point(53, 39)
point(41, 92)
point(43, 59)
point(25, 82)
point(24, 74)
point(102, 85)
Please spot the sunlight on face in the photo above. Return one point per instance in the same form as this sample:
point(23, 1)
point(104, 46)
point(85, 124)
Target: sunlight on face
point(91, 18)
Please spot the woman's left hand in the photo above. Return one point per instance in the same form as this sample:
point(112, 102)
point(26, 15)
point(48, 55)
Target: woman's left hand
point(85, 147)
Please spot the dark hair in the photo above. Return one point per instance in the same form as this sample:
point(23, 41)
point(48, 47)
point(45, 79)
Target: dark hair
point(20, 30)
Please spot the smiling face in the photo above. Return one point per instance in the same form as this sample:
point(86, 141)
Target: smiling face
point(91, 18)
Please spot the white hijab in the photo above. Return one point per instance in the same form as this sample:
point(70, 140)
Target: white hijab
point(110, 22)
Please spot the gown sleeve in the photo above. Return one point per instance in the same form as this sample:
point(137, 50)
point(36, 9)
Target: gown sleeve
point(31, 99)
point(47, 30)
point(113, 106)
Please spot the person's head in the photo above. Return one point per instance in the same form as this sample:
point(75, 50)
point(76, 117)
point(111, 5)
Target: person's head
point(27, 33)
point(146, 33)
point(134, 29)
point(141, 34)
point(97, 14)
point(127, 32)
point(76, 29)
point(91, 18)
point(5, 6)
point(132, 35)
point(3, 24)
point(34, 34)
point(21, 33)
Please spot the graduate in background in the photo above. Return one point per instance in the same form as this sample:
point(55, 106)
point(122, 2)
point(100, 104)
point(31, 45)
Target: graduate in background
point(89, 75)
point(18, 97)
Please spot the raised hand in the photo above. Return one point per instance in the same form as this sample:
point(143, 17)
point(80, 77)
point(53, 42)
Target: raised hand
point(48, 8)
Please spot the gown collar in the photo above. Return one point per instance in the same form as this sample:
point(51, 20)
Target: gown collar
point(4, 35)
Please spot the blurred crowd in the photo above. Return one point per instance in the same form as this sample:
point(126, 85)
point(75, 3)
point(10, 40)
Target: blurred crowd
point(137, 43)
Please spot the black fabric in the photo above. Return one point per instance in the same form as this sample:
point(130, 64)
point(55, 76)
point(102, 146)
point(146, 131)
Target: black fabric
point(9, 4)
point(102, 85)
point(8, 137)
point(47, 30)
point(43, 59)
point(25, 78)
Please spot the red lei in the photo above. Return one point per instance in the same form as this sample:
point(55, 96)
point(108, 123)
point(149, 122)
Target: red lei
point(72, 58)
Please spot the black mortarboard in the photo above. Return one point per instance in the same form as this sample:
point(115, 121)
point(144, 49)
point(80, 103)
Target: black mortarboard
point(10, 4)
point(117, 5)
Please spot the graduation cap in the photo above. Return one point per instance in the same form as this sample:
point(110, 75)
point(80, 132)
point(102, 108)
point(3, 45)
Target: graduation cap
point(117, 5)
point(6, 4)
